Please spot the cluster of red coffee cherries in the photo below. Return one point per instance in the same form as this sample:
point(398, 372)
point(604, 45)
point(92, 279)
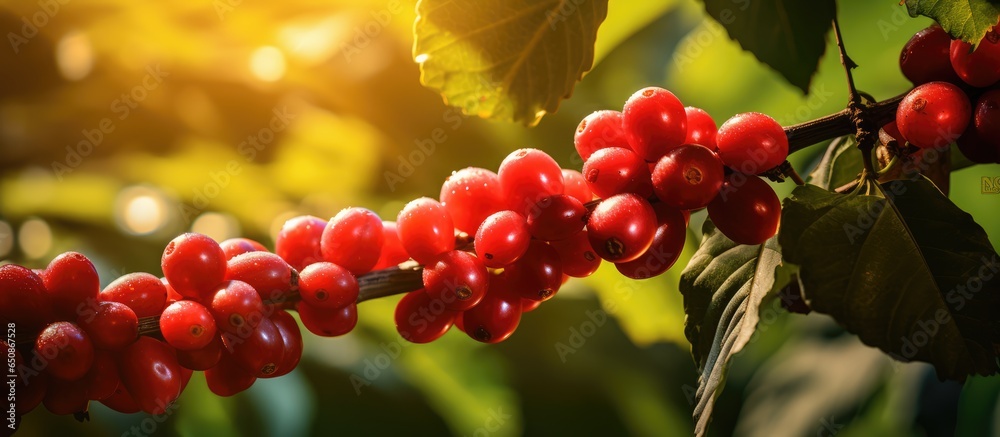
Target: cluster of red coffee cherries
point(949, 76)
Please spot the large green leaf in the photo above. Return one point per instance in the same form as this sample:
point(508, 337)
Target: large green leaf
point(723, 286)
point(907, 271)
point(968, 20)
point(840, 164)
point(790, 36)
point(509, 60)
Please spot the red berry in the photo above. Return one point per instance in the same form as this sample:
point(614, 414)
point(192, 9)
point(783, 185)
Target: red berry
point(393, 252)
point(458, 279)
point(470, 195)
point(353, 240)
point(193, 264)
point(537, 275)
point(654, 122)
point(66, 397)
point(621, 227)
point(688, 177)
point(236, 307)
point(121, 401)
point(142, 292)
point(746, 209)
point(668, 243)
point(204, 358)
point(752, 143)
point(425, 229)
point(269, 274)
point(502, 239)
point(577, 257)
point(496, 317)
point(421, 319)
point(151, 374)
point(926, 57)
point(986, 118)
point(259, 353)
point(227, 378)
point(239, 246)
point(291, 337)
point(102, 379)
point(327, 285)
point(701, 128)
point(979, 68)
point(70, 280)
point(23, 299)
point(328, 323)
point(615, 170)
point(597, 131)
point(527, 176)
point(110, 325)
point(933, 115)
point(187, 325)
point(575, 185)
point(66, 350)
point(557, 218)
point(299, 241)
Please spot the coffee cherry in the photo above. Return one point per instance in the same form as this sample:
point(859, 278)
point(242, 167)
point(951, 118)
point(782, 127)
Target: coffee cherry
point(456, 278)
point(599, 130)
point(502, 239)
point(239, 246)
point(110, 325)
point(328, 323)
point(187, 325)
point(752, 143)
point(654, 122)
point(151, 374)
point(926, 57)
point(615, 170)
point(70, 280)
point(425, 229)
point(556, 218)
point(470, 195)
point(353, 240)
point(746, 209)
point(193, 264)
point(298, 243)
point(496, 317)
point(933, 115)
point(236, 307)
point(142, 292)
point(269, 274)
point(621, 227)
point(701, 128)
point(328, 286)
point(527, 176)
point(66, 350)
point(421, 319)
point(688, 177)
point(980, 67)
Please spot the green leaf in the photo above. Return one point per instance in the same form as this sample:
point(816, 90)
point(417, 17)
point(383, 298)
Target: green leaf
point(723, 287)
point(977, 406)
point(789, 36)
point(907, 271)
point(840, 165)
point(968, 20)
point(510, 60)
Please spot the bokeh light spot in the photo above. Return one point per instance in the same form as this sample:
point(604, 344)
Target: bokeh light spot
point(140, 210)
point(219, 226)
point(6, 238)
point(74, 56)
point(267, 64)
point(35, 237)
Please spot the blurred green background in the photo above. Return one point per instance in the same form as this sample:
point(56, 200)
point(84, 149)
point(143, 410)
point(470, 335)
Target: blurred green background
point(123, 124)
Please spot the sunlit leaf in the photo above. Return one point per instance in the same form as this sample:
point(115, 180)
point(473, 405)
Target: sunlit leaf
point(506, 60)
point(968, 20)
point(723, 287)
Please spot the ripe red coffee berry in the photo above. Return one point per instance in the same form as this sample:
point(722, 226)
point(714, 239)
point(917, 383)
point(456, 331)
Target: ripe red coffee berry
point(259, 353)
point(457, 278)
point(291, 337)
point(621, 227)
point(537, 275)
point(496, 317)
point(269, 274)
point(327, 285)
point(599, 130)
point(227, 378)
point(236, 307)
point(926, 57)
point(353, 240)
point(23, 300)
point(502, 239)
point(193, 264)
point(752, 143)
point(575, 185)
point(110, 325)
point(70, 280)
point(204, 358)
point(933, 115)
point(527, 176)
point(144, 293)
point(578, 259)
point(299, 241)
point(688, 177)
point(701, 128)
point(151, 374)
point(668, 243)
point(980, 67)
point(328, 323)
point(187, 325)
point(425, 229)
point(986, 118)
point(393, 252)
point(746, 209)
point(420, 319)
point(239, 246)
point(557, 218)
point(654, 122)
point(470, 195)
point(66, 349)
point(615, 170)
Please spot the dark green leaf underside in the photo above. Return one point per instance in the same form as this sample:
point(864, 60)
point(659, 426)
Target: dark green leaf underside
point(899, 271)
point(788, 35)
point(723, 286)
point(968, 20)
point(510, 60)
